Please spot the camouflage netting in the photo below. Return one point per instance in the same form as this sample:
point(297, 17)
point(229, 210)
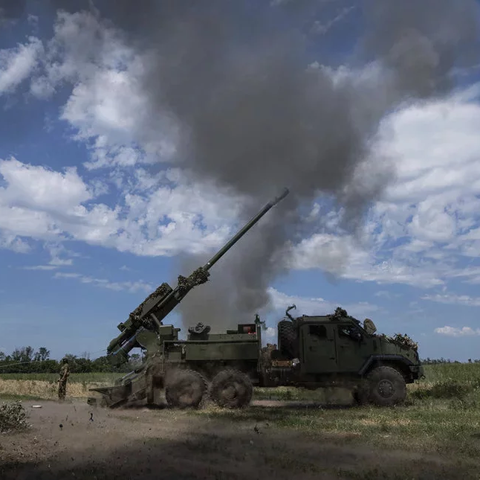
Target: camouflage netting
point(199, 276)
point(13, 417)
point(340, 313)
point(160, 292)
point(404, 341)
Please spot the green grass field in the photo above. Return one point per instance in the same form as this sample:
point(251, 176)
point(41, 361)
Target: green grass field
point(441, 417)
point(460, 372)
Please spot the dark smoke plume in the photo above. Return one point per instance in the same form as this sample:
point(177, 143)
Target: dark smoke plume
point(421, 42)
point(11, 10)
point(234, 78)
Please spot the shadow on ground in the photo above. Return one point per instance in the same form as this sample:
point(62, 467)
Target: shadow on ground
point(163, 444)
point(231, 455)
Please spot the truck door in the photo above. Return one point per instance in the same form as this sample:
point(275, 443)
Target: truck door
point(318, 343)
point(349, 348)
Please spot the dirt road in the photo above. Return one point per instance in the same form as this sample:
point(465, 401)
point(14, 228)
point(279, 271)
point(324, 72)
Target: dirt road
point(73, 441)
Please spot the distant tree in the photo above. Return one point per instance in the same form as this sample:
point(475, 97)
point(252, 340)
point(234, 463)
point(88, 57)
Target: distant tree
point(3, 357)
point(42, 355)
point(24, 354)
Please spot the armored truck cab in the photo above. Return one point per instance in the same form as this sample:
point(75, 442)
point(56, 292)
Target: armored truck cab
point(316, 351)
point(339, 344)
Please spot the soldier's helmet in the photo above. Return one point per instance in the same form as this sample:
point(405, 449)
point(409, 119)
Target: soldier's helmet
point(64, 360)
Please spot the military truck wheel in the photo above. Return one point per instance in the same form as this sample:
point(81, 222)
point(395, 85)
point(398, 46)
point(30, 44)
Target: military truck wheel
point(185, 389)
point(287, 337)
point(385, 387)
point(231, 389)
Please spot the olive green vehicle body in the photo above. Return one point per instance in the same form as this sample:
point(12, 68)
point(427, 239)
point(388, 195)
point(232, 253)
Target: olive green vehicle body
point(337, 349)
point(327, 353)
point(206, 353)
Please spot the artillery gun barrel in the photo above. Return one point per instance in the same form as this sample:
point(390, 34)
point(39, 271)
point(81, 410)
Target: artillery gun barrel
point(157, 306)
point(244, 230)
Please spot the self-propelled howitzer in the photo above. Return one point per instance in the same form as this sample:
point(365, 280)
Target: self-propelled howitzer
point(150, 314)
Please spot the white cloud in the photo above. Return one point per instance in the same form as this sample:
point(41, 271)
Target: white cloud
point(96, 44)
point(21, 222)
point(43, 204)
point(131, 287)
point(185, 218)
point(345, 257)
point(428, 220)
point(457, 332)
point(39, 188)
point(386, 294)
point(107, 107)
point(270, 335)
point(32, 20)
point(10, 241)
point(59, 262)
point(17, 64)
point(40, 267)
point(327, 250)
point(454, 299)
point(59, 254)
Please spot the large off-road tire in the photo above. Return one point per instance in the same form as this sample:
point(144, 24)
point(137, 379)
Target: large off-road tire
point(384, 387)
point(185, 389)
point(287, 338)
point(231, 389)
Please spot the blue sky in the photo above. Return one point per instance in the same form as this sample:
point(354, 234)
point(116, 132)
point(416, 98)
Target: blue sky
point(87, 230)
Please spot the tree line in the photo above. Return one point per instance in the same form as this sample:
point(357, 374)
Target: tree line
point(29, 360)
point(436, 361)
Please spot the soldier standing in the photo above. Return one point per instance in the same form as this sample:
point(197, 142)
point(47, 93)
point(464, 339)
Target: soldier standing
point(62, 381)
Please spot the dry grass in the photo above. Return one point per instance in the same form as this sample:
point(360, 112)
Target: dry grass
point(44, 386)
point(39, 389)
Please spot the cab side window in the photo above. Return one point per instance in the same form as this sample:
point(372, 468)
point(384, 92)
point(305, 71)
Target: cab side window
point(350, 332)
point(345, 331)
point(319, 331)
